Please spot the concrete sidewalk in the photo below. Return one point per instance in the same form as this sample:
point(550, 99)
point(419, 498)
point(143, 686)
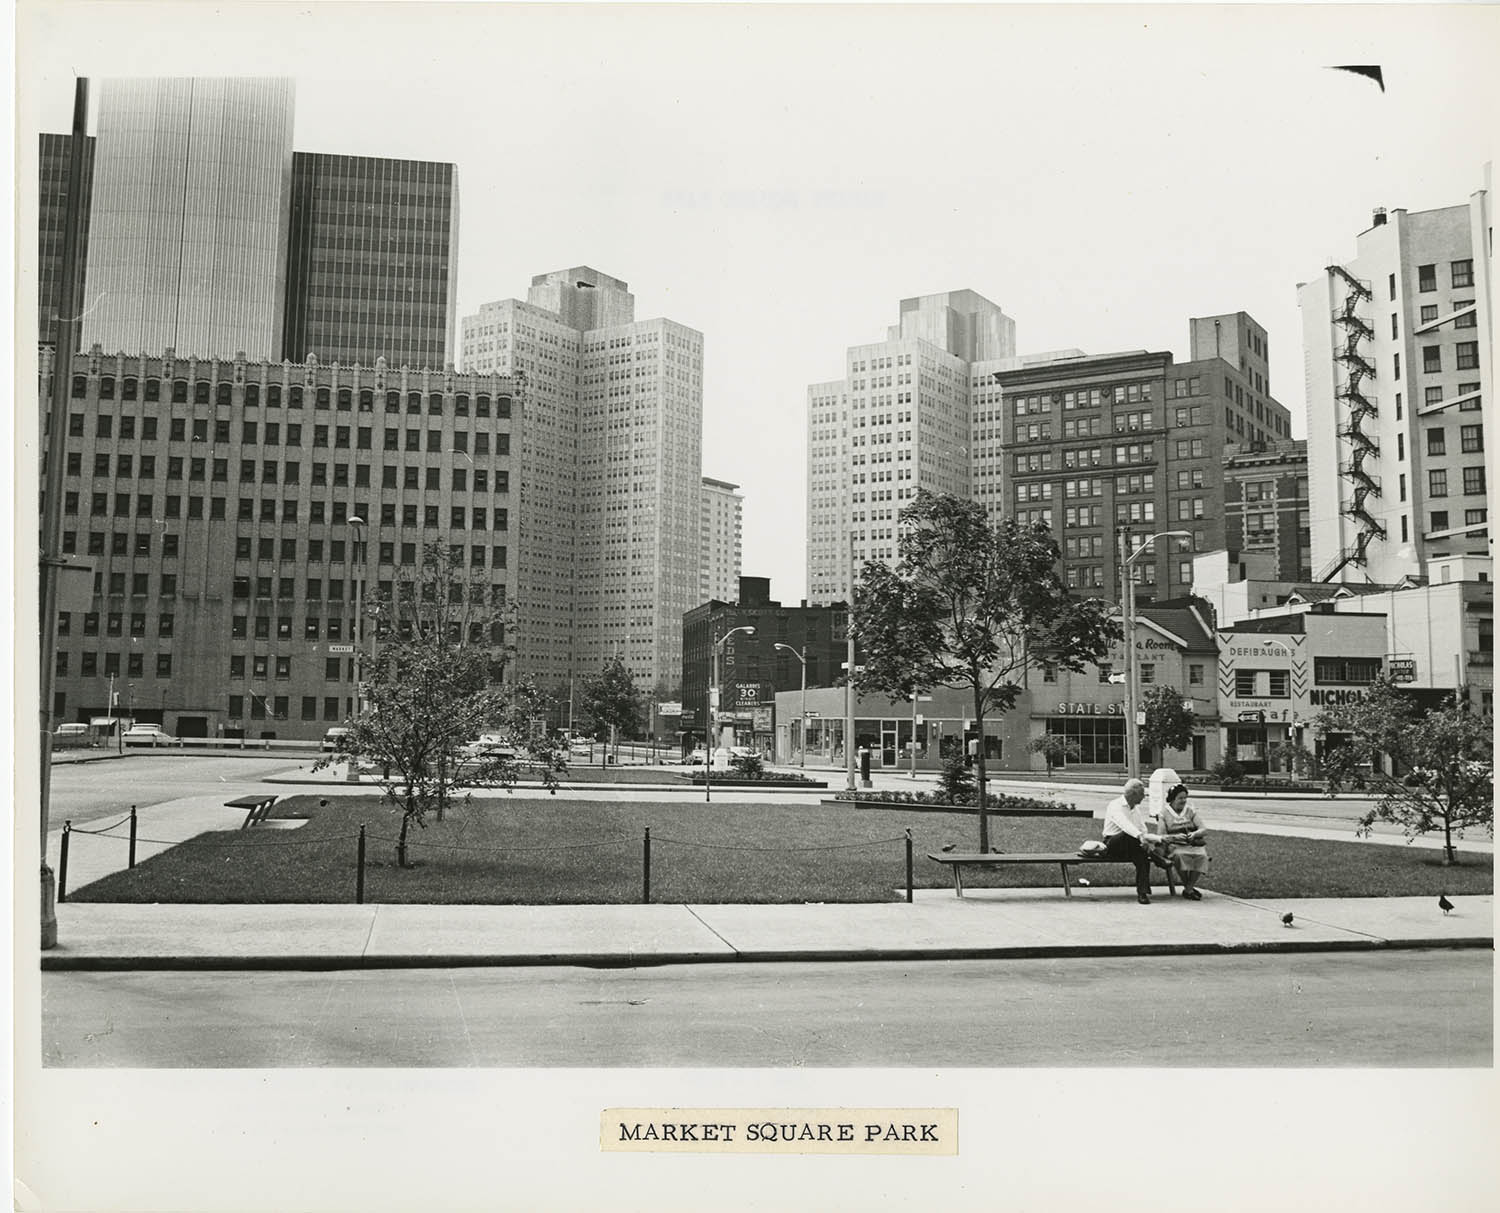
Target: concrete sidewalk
point(986, 924)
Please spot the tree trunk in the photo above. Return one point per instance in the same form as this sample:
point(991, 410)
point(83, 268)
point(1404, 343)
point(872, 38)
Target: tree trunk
point(401, 841)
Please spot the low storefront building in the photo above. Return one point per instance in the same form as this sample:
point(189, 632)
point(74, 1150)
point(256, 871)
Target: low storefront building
point(1277, 673)
point(1174, 647)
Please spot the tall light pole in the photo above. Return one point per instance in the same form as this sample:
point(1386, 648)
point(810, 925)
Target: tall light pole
point(802, 729)
point(56, 438)
point(849, 677)
point(713, 707)
point(357, 526)
point(1127, 605)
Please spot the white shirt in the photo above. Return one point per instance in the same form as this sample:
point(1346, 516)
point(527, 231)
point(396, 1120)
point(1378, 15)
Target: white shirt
point(1120, 817)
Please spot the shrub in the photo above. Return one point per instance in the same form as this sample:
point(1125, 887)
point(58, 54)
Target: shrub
point(1228, 770)
point(957, 779)
point(748, 766)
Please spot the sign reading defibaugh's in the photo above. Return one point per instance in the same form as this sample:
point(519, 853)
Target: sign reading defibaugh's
point(915, 1131)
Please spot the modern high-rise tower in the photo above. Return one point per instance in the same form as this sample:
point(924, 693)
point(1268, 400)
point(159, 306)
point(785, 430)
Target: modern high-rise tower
point(371, 268)
point(187, 226)
point(1398, 363)
point(898, 421)
point(204, 233)
point(611, 439)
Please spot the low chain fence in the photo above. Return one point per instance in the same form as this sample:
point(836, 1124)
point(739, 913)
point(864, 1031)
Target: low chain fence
point(363, 838)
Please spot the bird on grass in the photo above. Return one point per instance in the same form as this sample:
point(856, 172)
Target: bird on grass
point(1444, 904)
point(1286, 919)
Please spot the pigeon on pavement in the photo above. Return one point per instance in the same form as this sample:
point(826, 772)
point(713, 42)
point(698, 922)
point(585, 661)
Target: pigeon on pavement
point(1444, 904)
point(947, 846)
point(1286, 919)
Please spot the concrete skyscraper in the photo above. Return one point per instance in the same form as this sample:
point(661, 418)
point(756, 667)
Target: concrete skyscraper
point(720, 515)
point(187, 226)
point(1399, 387)
point(611, 440)
point(898, 421)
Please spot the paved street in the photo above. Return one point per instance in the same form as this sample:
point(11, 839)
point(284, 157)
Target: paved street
point(1414, 1008)
point(84, 792)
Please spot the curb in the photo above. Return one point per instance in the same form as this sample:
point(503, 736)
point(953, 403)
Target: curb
point(103, 964)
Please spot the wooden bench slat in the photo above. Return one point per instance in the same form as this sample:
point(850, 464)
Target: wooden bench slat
point(957, 861)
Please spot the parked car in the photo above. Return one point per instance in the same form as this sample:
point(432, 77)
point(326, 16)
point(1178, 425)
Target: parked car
point(147, 734)
point(331, 738)
point(741, 751)
point(489, 746)
point(70, 736)
point(695, 759)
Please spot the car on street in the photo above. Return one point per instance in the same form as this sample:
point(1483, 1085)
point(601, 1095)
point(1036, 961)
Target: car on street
point(70, 735)
point(695, 759)
point(331, 738)
point(147, 734)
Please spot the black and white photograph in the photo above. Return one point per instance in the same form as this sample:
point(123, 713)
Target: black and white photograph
point(738, 606)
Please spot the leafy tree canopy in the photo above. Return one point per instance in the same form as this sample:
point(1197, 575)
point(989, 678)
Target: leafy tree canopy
point(1441, 772)
point(1169, 718)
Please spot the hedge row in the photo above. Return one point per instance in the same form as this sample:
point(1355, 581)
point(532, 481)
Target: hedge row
point(996, 801)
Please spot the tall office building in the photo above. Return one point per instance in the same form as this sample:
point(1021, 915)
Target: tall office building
point(1399, 369)
point(898, 421)
point(52, 205)
point(187, 226)
point(371, 268)
point(214, 498)
point(1088, 445)
point(720, 517)
point(612, 446)
point(204, 233)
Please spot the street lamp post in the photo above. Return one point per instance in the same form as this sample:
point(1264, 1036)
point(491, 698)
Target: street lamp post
point(357, 526)
point(1127, 605)
point(849, 677)
point(713, 696)
point(802, 729)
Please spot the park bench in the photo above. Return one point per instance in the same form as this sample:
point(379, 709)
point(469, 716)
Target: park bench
point(958, 861)
point(258, 807)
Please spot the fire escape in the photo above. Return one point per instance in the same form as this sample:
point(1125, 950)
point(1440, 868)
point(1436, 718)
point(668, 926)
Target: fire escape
point(1360, 408)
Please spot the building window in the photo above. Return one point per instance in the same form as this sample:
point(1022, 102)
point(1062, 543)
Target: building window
point(1474, 479)
point(1244, 684)
point(1439, 520)
point(1475, 517)
point(1437, 482)
point(1432, 359)
point(1281, 684)
point(1348, 671)
point(1463, 273)
point(1471, 438)
point(1436, 442)
point(1148, 673)
point(1468, 355)
point(1195, 675)
point(1427, 277)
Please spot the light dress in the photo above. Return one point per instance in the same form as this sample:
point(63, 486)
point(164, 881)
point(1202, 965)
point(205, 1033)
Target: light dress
point(1189, 858)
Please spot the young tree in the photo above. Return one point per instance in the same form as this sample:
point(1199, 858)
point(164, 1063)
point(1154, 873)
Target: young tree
point(1055, 749)
point(610, 699)
point(1169, 719)
point(434, 683)
point(1441, 763)
point(973, 605)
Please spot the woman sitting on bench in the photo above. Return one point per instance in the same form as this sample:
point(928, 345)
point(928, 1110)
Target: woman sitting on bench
point(1185, 836)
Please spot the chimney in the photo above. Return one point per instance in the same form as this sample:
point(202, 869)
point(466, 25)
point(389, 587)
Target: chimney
point(1378, 220)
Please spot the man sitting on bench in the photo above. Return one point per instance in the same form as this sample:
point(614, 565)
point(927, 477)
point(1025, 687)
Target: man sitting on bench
point(1125, 835)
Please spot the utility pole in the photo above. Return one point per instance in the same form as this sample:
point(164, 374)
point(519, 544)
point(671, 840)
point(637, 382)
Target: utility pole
point(849, 677)
point(57, 429)
point(1127, 606)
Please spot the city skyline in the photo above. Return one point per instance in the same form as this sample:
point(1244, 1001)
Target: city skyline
point(801, 194)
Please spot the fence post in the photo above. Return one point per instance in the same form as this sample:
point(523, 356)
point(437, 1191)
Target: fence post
point(132, 836)
point(62, 864)
point(359, 871)
point(908, 865)
point(646, 869)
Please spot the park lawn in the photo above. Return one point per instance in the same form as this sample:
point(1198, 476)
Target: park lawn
point(499, 851)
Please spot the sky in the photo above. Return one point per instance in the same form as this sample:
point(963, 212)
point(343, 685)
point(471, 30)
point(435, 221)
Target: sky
point(779, 178)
